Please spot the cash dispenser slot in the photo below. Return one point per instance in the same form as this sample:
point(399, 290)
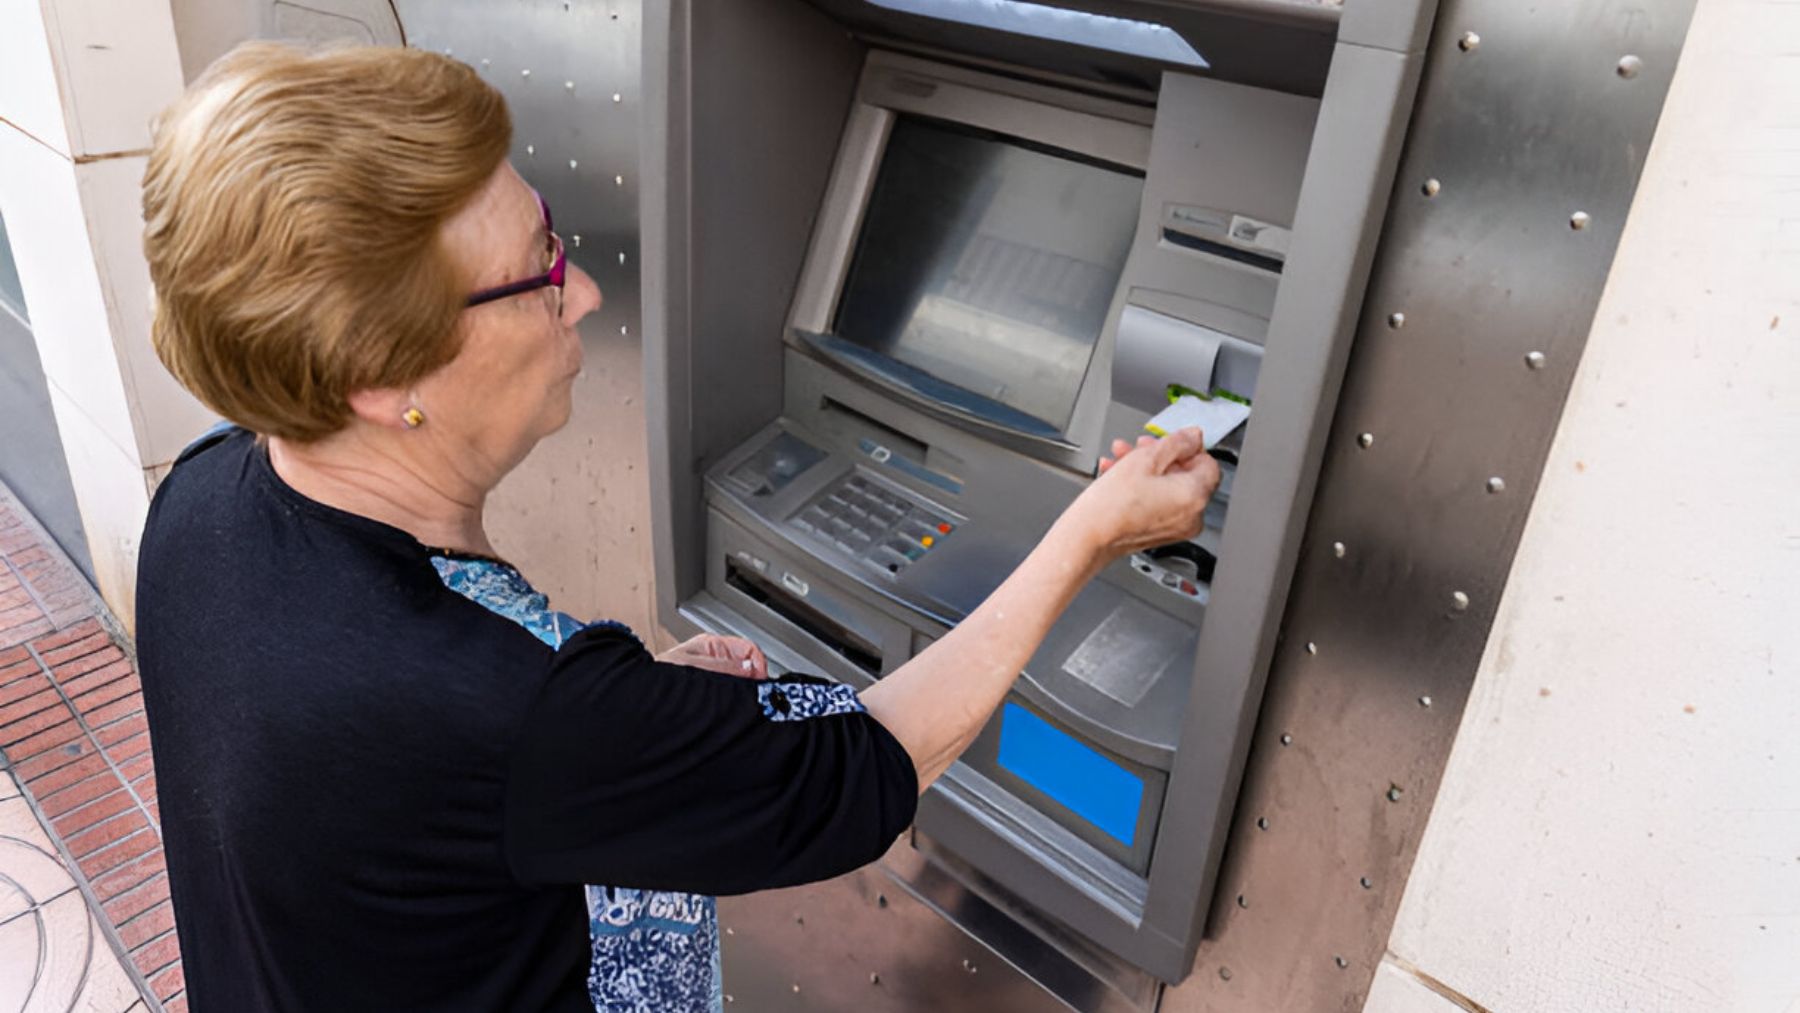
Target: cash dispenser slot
point(788, 604)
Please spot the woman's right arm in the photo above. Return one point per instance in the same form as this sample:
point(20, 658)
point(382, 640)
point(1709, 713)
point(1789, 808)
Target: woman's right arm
point(636, 772)
point(938, 702)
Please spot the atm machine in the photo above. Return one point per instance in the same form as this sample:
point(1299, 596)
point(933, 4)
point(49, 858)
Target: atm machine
point(909, 266)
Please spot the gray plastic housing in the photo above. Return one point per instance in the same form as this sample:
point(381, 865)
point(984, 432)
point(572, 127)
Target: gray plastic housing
point(759, 142)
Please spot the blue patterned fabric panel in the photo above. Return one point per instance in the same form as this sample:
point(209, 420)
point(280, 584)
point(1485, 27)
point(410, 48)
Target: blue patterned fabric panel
point(797, 701)
point(653, 952)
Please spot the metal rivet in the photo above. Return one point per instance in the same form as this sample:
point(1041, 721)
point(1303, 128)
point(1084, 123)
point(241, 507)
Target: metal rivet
point(1629, 67)
point(1496, 484)
point(1243, 901)
point(621, 258)
point(730, 931)
point(1425, 701)
point(618, 181)
point(1225, 973)
point(1468, 42)
point(1535, 360)
point(1396, 320)
point(1431, 188)
point(969, 966)
point(525, 73)
point(874, 977)
point(1393, 793)
point(1579, 220)
point(796, 988)
point(1365, 440)
point(618, 97)
point(449, 52)
point(531, 151)
point(624, 329)
point(728, 997)
point(485, 61)
point(1459, 601)
point(1286, 739)
point(568, 86)
point(1262, 823)
point(573, 163)
point(1341, 962)
point(1312, 648)
point(1366, 883)
point(1338, 549)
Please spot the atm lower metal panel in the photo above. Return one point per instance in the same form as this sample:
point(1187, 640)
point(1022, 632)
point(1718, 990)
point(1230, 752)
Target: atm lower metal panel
point(887, 938)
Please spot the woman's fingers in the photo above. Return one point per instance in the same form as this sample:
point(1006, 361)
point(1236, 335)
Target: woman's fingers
point(726, 655)
point(752, 663)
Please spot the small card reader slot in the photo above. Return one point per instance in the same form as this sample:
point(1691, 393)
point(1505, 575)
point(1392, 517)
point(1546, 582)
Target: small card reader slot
point(821, 627)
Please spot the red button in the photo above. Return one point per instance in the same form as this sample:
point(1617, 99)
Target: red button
point(1187, 587)
point(944, 529)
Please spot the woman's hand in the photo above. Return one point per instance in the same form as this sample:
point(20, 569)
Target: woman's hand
point(1148, 495)
point(727, 655)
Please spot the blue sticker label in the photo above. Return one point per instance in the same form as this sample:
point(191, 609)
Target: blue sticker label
point(1055, 763)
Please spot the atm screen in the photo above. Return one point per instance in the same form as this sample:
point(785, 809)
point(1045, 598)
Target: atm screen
point(989, 264)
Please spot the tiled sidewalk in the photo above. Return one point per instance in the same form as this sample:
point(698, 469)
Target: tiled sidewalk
point(85, 919)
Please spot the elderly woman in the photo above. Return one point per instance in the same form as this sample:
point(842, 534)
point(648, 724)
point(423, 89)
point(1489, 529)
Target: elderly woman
point(386, 765)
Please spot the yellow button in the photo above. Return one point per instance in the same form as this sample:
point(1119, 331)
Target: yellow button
point(926, 541)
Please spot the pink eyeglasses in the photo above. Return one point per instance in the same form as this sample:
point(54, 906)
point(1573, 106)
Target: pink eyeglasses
point(553, 278)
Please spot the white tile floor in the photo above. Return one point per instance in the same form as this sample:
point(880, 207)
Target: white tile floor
point(52, 954)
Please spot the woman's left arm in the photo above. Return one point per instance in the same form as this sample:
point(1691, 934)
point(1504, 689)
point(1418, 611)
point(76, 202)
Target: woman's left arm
point(635, 772)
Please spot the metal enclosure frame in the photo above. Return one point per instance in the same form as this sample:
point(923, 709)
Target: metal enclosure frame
point(1367, 96)
point(1475, 317)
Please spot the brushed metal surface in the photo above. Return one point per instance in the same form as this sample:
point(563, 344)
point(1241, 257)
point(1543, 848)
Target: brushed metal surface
point(1382, 637)
point(575, 515)
point(1531, 126)
point(887, 938)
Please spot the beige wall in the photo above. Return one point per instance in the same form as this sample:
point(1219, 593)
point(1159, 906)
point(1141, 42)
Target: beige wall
point(79, 83)
point(1619, 826)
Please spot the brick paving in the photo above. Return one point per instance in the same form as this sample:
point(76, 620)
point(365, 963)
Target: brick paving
point(72, 733)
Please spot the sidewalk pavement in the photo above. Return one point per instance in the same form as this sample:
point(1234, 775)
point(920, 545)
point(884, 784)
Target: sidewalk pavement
point(85, 919)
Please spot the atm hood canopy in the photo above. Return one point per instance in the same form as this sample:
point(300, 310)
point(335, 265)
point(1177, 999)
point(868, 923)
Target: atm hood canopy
point(1284, 45)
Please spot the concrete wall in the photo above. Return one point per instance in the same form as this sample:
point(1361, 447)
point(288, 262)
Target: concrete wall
point(80, 81)
point(32, 463)
point(1619, 827)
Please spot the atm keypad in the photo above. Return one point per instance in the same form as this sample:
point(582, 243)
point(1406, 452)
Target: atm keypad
point(869, 521)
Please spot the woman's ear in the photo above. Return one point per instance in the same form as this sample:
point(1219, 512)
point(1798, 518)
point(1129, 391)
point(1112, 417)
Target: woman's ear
point(387, 407)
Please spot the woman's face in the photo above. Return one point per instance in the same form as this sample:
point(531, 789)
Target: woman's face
point(510, 384)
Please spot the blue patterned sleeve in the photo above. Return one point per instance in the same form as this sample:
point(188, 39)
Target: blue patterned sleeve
point(638, 773)
point(795, 699)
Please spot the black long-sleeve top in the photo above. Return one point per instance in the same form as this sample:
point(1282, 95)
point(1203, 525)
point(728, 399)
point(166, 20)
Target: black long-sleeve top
point(377, 794)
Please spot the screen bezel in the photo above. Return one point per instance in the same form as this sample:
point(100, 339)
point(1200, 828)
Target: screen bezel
point(1089, 127)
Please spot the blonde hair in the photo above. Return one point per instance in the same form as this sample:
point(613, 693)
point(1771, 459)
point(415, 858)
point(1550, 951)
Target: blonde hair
point(294, 205)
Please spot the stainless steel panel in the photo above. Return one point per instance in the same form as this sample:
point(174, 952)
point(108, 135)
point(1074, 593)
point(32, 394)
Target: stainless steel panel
point(575, 515)
point(886, 938)
point(1482, 298)
point(1406, 552)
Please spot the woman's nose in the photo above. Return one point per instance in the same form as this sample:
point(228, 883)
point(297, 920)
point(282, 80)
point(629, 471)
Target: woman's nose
point(581, 296)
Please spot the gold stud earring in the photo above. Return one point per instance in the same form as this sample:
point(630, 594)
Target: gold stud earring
point(413, 418)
